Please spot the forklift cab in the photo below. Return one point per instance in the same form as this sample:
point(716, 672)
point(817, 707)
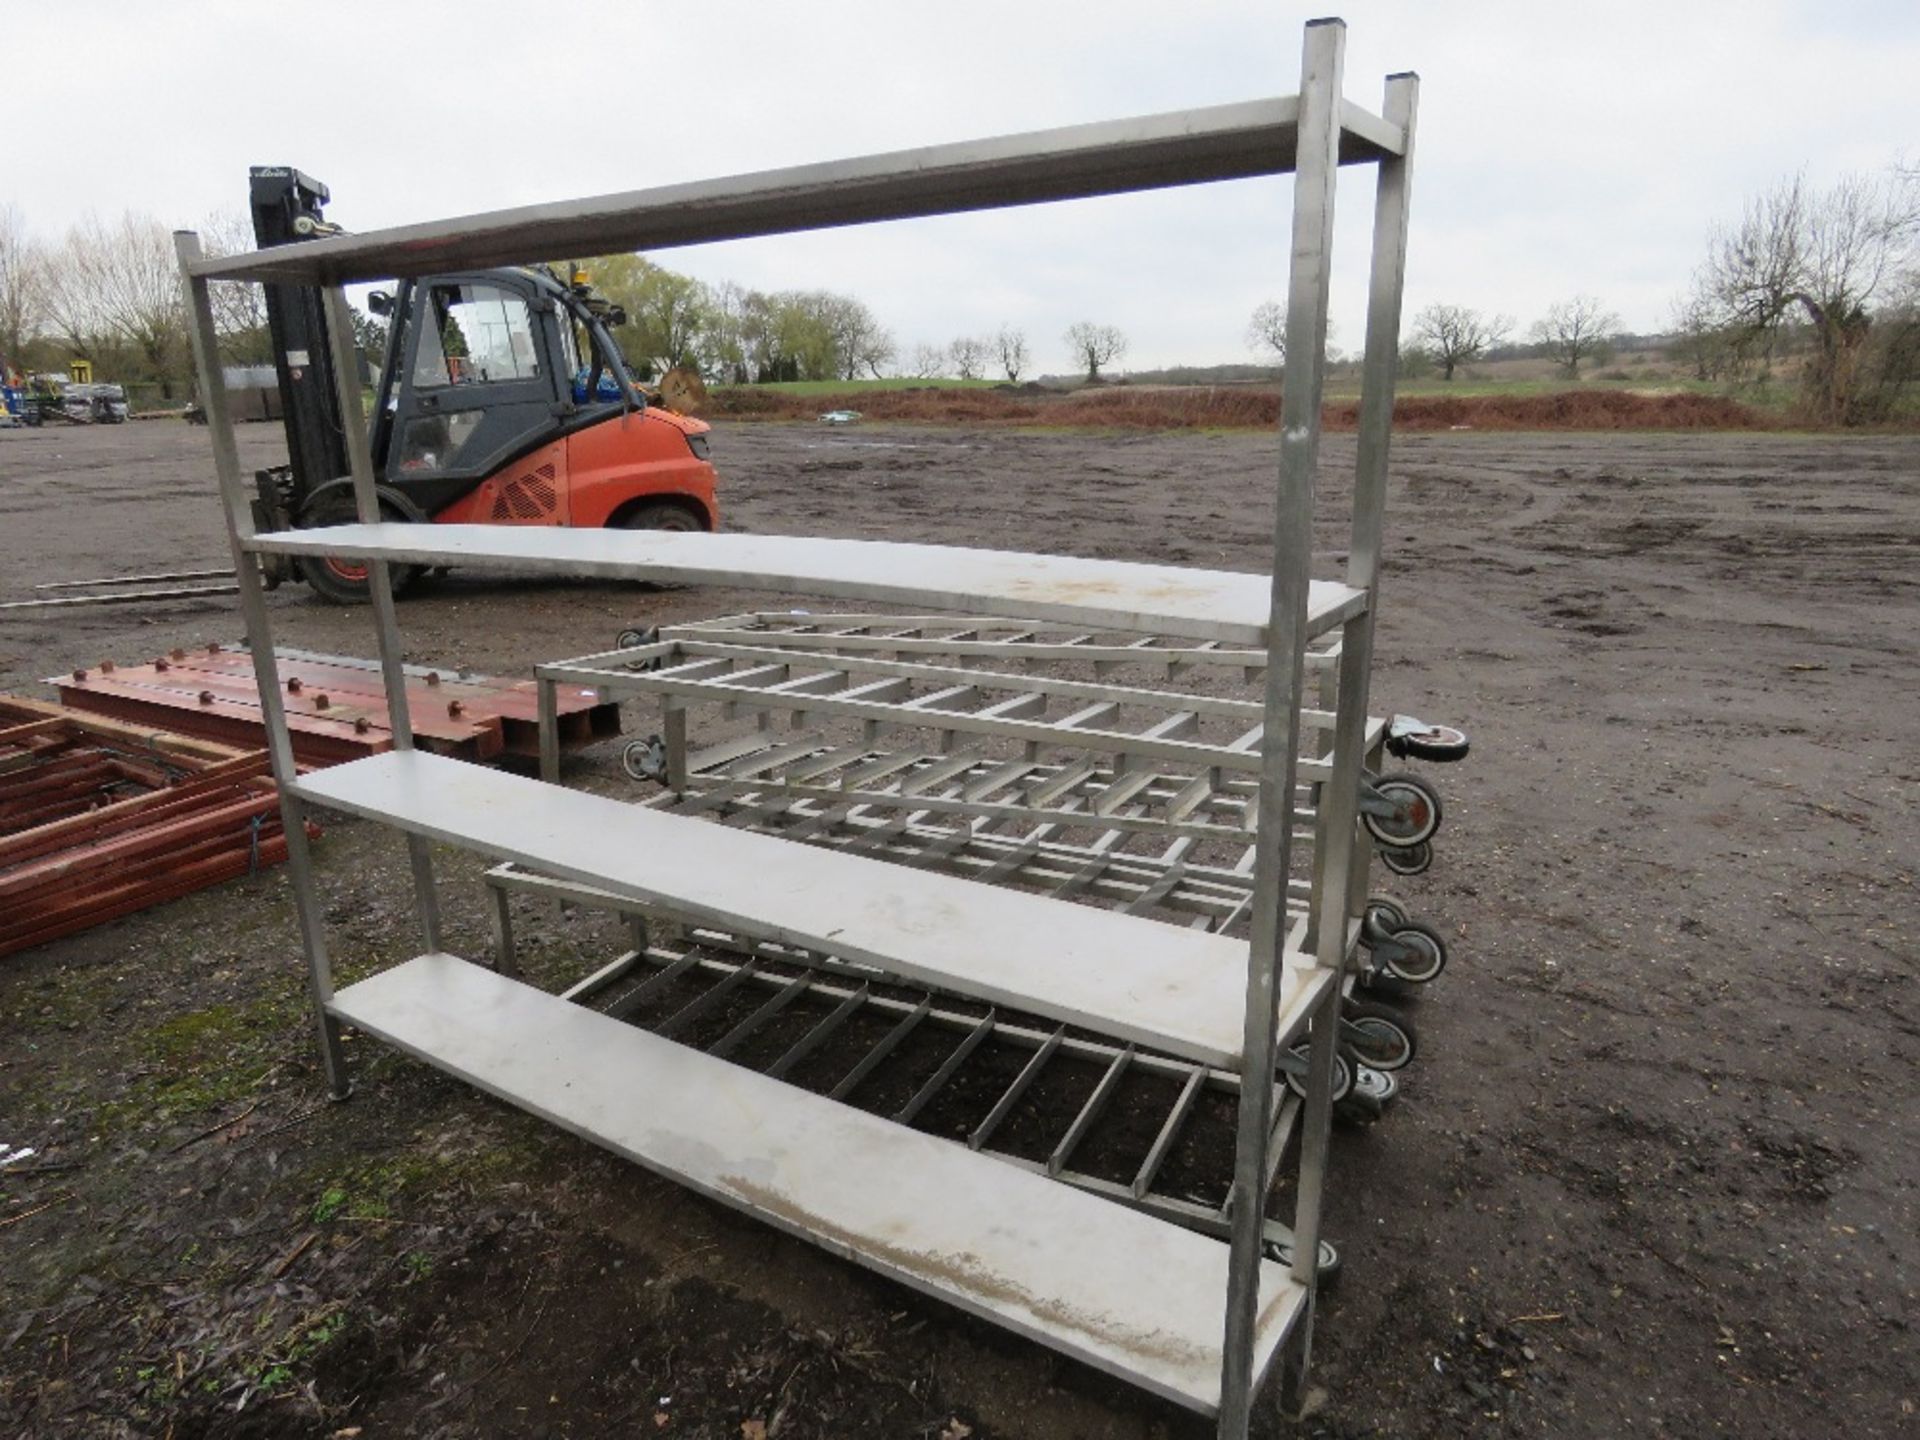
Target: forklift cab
point(480, 371)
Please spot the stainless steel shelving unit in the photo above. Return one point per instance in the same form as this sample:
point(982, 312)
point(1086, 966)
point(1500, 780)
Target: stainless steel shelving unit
point(1159, 1304)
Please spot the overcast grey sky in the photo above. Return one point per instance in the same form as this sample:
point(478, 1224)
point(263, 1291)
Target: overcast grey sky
point(1562, 147)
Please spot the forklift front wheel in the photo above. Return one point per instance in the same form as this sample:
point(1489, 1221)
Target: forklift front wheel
point(341, 580)
point(661, 515)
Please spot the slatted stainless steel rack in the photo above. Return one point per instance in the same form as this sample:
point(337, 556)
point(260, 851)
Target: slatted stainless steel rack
point(1179, 762)
point(1186, 1317)
point(686, 981)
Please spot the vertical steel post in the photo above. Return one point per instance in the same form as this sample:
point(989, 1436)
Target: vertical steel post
point(253, 609)
point(393, 666)
point(1341, 842)
point(505, 958)
point(1315, 170)
point(547, 691)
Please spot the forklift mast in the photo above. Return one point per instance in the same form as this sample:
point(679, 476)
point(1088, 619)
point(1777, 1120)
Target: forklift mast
point(286, 207)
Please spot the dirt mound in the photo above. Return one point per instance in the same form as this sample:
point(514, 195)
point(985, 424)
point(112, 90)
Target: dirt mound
point(1128, 407)
point(1564, 410)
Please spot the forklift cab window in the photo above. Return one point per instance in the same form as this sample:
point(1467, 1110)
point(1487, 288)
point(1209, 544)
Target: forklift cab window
point(486, 337)
point(478, 337)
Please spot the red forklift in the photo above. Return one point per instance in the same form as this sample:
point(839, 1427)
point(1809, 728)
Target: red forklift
point(502, 399)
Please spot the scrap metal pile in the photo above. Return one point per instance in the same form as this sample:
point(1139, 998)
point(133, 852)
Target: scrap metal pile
point(99, 819)
point(336, 705)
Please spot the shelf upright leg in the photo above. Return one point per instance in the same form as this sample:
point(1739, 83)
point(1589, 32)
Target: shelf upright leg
point(1341, 845)
point(393, 672)
point(253, 609)
point(547, 689)
point(675, 725)
point(1316, 167)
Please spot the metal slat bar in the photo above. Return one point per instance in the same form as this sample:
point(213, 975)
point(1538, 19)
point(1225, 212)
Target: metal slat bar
point(883, 766)
point(996, 780)
point(945, 770)
point(1069, 776)
point(937, 1081)
point(1021, 645)
point(704, 1001)
point(812, 1040)
point(1011, 1096)
point(606, 975)
point(773, 1005)
point(1089, 1112)
point(1121, 790)
point(887, 1045)
point(747, 768)
point(1169, 1132)
point(651, 986)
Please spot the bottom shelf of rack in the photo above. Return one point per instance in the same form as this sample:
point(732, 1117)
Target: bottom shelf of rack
point(1140, 1298)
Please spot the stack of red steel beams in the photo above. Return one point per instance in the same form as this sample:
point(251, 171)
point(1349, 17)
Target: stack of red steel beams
point(336, 705)
point(99, 819)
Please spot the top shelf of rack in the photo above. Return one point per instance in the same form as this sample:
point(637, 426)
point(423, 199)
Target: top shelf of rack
point(1187, 147)
point(1225, 605)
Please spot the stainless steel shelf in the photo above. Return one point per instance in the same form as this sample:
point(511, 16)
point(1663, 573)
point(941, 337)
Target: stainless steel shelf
point(1220, 142)
point(1226, 605)
point(1135, 1296)
point(1179, 990)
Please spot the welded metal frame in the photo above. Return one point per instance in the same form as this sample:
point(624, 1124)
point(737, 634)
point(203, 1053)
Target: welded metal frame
point(727, 955)
point(1201, 787)
point(1310, 134)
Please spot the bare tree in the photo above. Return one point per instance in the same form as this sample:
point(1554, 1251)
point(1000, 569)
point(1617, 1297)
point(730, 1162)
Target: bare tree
point(863, 342)
point(1012, 345)
point(1267, 329)
point(1575, 330)
point(120, 283)
point(929, 362)
point(1697, 337)
point(1827, 257)
point(21, 287)
point(723, 350)
point(1095, 345)
point(969, 356)
point(239, 306)
point(1455, 335)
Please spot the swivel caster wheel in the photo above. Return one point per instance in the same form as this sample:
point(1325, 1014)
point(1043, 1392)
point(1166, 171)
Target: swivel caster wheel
point(1414, 953)
point(1414, 812)
point(645, 759)
point(1324, 1272)
point(1416, 739)
point(1380, 1036)
point(1296, 1076)
point(1412, 860)
point(1390, 911)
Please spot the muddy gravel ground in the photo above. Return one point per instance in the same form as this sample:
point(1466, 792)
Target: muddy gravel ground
point(1653, 1173)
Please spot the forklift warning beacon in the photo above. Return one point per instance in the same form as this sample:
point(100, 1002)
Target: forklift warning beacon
point(502, 400)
